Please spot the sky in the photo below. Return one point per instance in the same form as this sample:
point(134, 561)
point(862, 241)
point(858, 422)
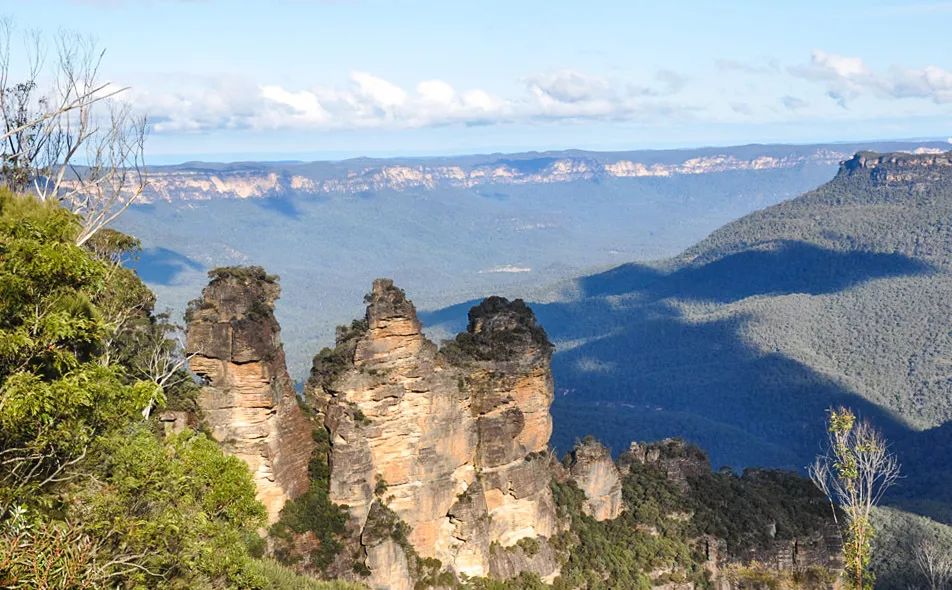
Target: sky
point(327, 79)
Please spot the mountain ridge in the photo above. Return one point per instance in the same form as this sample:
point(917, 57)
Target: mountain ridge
point(838, 296)
point(205, 180)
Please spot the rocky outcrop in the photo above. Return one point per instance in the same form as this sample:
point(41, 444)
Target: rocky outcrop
point(813, 562)
point(760, 557)
point(893, 168)
point(453, 442)
point(590, 465)
point(248, 400)
point(676, 458)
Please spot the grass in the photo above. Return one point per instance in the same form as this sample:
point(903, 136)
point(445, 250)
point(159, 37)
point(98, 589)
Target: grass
point(284, 578)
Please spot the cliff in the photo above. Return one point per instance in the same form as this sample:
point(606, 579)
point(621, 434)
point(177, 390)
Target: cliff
point(895, 168)
point(248, 400)
point(591, 467)
point(425, 466)
point(197, 181)
point(452, 442)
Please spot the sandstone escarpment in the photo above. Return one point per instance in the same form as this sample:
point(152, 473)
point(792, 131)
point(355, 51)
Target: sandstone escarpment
point(591, 467)
point(248, 400)
point(453, 442)
point(899, 167)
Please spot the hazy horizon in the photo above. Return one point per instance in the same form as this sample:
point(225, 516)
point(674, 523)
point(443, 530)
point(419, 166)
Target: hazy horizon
point(329, 80)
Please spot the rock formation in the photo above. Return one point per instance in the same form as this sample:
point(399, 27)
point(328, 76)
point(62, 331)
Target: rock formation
point(899, 167)
point(590, 465)
point(440, 459)
point(248, 401)
point(812, 560)
point(454, 443)
point(678, 459)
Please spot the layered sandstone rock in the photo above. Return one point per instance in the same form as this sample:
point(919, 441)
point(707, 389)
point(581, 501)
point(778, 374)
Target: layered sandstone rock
point(453, 442)
point(248, 400)
point(591, 467)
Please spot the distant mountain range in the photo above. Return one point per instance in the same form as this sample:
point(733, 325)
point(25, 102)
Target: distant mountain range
point(842, 296)
point(201, 181)
point(451, 229)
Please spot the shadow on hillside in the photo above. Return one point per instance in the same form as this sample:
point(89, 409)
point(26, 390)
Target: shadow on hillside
point(281, 204)
point(926, 459)
point(161, 266)
point(633, 368)
point(775, 268)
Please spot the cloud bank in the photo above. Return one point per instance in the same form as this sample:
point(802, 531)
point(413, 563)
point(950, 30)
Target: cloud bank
point(848, 78)
point(368, 101)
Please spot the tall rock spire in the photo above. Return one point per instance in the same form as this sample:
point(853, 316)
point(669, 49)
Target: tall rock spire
point(248, 400)
point(452, 442)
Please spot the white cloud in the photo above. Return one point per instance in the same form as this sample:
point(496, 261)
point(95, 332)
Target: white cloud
point(303, 104)
point(378, 91)
point(568, 94)
point(847, 78)
point(367, 100)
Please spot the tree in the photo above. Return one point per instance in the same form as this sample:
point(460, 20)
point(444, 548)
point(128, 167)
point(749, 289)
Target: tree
point(934, 560)
point(854, 473)
point(45, 135)
point(55, 396)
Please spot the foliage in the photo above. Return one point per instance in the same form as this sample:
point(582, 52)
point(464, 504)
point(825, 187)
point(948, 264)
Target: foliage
point(242, 273)
point(620, 553)
point(855, 472)
point(330, 363)
point(761, 505)
point(44, 555)
point(898, 536)
point(179, 504)
point(48, 325)
point(275, 576)
point(56, 393)
point(312, 514)
point(90, 497)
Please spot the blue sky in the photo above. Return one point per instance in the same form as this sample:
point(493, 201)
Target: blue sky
point(328, 79)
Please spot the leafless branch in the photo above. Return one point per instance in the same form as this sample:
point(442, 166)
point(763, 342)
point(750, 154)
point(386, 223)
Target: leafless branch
point(60, 144)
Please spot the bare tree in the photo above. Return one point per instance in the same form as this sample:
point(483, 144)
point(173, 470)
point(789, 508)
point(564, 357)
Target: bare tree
point(934, 560)
point(72, 143)
point(164, 358)
point(854, 473)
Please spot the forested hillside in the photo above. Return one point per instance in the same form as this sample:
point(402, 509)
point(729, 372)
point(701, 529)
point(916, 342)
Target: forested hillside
point(550, 217)
point(840, 296)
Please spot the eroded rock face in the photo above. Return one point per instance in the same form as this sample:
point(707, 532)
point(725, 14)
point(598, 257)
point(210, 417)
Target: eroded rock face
point(248, 401)
point(454, 442)
point(590, 465)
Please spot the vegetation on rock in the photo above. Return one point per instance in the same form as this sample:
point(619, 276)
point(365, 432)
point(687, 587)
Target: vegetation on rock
point(90, 496)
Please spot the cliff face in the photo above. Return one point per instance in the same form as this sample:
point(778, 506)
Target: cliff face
point(898, 167)
point(590, 465)
point(453, 442)
point(248, 180)
point(248, 400)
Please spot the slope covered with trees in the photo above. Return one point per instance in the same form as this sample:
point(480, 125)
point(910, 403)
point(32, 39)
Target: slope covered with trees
point(837, 297)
